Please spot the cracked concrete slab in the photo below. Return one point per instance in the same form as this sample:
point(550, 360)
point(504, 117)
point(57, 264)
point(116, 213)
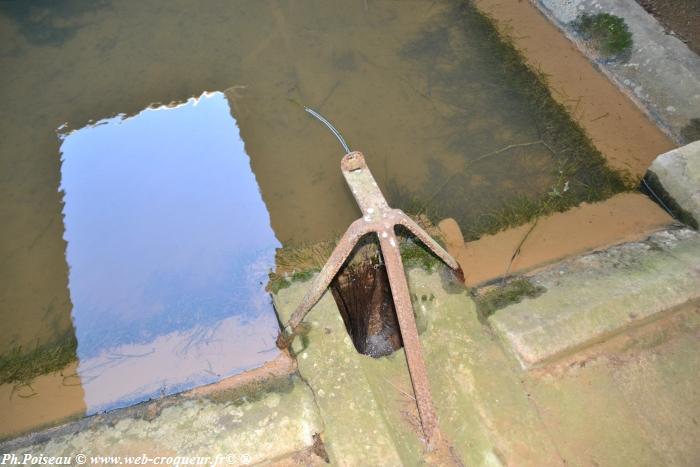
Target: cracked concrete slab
point(633, 400)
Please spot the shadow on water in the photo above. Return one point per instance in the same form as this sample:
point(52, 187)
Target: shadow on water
point(47, 22)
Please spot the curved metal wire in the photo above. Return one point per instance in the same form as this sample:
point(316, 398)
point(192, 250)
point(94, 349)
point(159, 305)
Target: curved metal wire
point(668, 210)
point(330, 127)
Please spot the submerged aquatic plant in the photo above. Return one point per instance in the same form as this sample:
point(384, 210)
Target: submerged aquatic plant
point(607, 33)
point(579, 172)
point(20, 366)
point(519, 210)
point(403, 198)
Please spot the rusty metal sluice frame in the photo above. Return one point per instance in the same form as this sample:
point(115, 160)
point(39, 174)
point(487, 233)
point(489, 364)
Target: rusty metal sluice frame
point(379, 218)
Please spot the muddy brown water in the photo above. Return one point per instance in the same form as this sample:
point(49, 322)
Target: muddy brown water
point(140, 215)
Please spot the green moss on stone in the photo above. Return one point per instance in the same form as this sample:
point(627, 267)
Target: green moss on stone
point(256, 390)
point(691, 132)
point(502, 296)
point(415, 254)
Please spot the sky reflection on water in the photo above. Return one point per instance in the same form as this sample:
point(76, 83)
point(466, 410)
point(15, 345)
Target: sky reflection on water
point(169, 245)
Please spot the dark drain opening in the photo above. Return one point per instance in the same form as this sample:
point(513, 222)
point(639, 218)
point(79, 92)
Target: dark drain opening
point(362, 293)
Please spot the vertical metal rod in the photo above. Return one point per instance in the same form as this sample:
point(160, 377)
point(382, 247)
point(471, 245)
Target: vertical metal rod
point(409, 335)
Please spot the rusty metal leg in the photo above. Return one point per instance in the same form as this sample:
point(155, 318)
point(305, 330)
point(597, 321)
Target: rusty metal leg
point(379, 218)
point(321, 282)
point(427, 240)
point(409, 334)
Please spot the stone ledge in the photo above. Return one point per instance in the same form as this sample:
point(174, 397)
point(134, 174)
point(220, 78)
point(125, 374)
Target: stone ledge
point(661, 74)
point(265, 424)
point(595, 296)
point(678, 172)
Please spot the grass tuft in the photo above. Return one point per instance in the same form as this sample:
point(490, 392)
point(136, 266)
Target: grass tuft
point(607, 33)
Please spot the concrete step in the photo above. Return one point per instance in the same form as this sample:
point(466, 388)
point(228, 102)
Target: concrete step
point(592, 297)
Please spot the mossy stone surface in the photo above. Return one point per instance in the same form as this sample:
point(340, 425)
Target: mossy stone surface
point(594, 296)
point(366, 404)
point(355, 433)
point(274, 423)
point(601, 409)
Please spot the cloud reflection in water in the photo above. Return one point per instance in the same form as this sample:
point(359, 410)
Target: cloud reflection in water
point(169, 246)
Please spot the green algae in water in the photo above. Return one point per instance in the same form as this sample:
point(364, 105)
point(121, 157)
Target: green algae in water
point(576, 171)
point(20, 366)
point(415, 254)
point(279, 281)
